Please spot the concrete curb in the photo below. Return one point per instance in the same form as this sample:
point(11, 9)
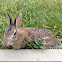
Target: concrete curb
point(31, 55)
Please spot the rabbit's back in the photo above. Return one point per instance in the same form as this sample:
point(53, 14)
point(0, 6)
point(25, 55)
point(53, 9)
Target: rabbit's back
point(44, 35)
point(38, 33)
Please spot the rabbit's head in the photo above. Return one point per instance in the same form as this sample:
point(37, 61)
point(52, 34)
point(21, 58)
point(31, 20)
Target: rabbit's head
point(11, 34)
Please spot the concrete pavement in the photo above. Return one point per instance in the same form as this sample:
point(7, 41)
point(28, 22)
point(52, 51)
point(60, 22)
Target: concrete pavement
point(31, 55)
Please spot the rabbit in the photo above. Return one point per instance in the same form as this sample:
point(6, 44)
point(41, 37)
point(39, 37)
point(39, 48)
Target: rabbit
point(16, 37)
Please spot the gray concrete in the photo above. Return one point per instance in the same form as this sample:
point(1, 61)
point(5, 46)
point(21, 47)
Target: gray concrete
point(31, 55)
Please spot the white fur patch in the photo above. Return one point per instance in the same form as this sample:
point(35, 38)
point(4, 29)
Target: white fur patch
point(45, 37)
point(14, 30)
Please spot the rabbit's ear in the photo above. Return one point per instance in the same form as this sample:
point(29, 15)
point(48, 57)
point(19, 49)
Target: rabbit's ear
point(18, 20)
point(10, 22)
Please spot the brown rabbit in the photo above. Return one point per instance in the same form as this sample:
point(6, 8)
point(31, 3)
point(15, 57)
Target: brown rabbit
point(16, 37)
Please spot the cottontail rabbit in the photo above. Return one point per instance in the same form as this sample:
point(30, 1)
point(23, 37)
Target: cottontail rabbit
point(16, 37)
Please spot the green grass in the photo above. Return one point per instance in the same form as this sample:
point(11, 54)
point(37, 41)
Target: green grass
point(34, 45)
point(36, 13)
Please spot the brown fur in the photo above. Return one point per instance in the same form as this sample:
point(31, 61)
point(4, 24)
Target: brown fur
point(16, 37)
point(33, 33)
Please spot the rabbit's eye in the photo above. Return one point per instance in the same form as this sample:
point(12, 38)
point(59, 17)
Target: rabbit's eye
point(15, 33)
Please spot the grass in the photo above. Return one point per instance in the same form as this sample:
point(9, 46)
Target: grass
point(36, 13)
point(34, 45)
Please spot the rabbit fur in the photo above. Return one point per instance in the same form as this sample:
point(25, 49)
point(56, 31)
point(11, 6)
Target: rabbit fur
point(16, 37)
